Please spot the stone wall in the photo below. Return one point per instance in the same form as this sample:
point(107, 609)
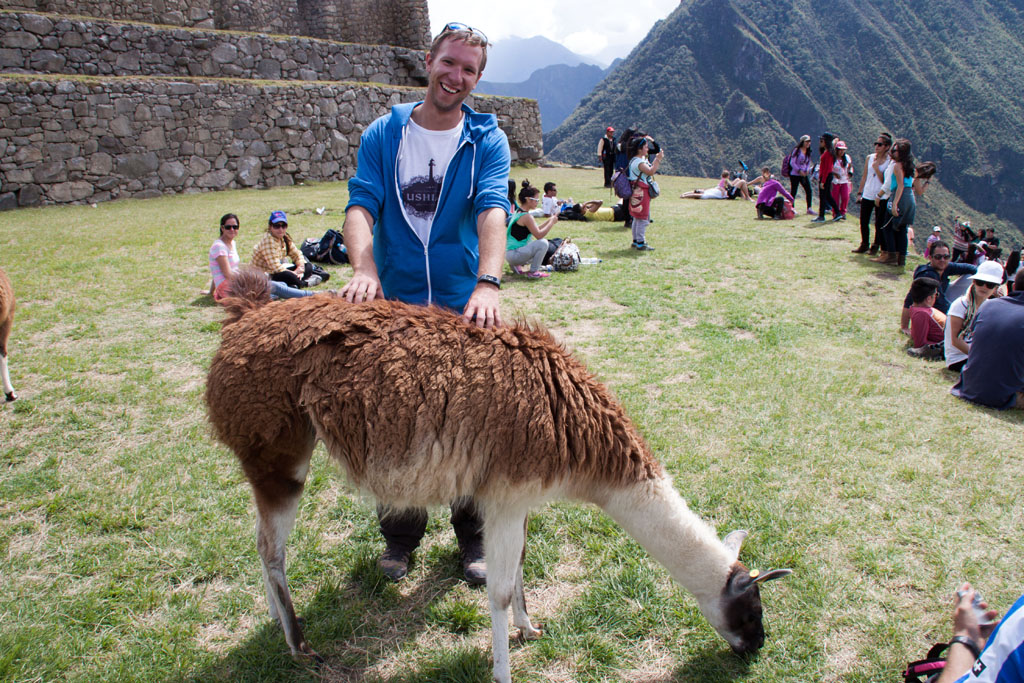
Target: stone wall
point(33, 43)
point(91, 140)
point(391, 22)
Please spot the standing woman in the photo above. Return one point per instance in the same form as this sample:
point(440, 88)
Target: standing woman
point(902, 205)
point(800, 167)
point(842, 173)
point(875, 167)
point(520, 246)
point(641, 173)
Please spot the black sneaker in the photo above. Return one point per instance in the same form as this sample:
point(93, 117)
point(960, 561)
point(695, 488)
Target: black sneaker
point(642, 246)
point(394, 563)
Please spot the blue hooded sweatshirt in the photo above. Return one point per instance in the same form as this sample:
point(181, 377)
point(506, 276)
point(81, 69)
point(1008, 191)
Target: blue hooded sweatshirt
point(444, 270)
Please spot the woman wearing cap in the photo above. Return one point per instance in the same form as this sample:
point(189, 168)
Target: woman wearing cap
point(842, 172)
point(224, 263)
point(961, 316)
point(270, 253)
point(800, 167)
point(606, 154)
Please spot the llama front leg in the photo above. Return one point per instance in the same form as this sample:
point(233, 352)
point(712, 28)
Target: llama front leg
point(504, 538)
point(5, 376)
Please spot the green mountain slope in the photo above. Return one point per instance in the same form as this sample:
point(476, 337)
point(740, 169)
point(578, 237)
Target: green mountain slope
point(718, 81)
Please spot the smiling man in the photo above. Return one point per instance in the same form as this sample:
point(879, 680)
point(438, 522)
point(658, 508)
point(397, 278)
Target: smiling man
point(425, 224)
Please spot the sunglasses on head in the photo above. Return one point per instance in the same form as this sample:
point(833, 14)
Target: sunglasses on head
point(279, 225)
point(986, 285)
point(459, 26)
point(941, 257)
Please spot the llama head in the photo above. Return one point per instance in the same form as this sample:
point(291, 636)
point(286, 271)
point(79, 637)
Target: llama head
point(739, 617)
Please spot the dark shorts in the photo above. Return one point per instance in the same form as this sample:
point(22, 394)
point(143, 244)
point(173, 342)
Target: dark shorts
point(732, 192)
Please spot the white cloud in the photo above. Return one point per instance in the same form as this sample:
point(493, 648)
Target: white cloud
point(586, 27)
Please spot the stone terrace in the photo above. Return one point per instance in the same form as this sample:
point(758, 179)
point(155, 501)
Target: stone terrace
point(34, 43)
point(93, 110)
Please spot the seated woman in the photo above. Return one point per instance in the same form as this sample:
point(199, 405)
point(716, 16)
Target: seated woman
point(726, 189)
point(960, 317)
point(224, 263)
point(270, 253)
point(772, 198)
point(926, 333)
point(525, 242)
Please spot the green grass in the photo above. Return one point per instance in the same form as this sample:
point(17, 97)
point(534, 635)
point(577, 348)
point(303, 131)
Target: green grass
point(761, 360)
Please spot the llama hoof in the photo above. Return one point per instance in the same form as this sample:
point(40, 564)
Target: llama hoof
point(306, 653)
point(533, 633)
point(10, 397)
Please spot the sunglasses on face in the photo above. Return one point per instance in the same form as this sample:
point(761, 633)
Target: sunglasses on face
point(279, 225)
point(459, 26)
point(880, 144)
point(941, 257)
point(986, 285)
point(230, 227)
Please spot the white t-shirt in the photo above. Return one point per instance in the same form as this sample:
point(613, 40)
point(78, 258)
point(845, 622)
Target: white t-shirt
point(549, 205)
point(422, 163)
point(886, 184)
point(872, 185)
point(840, 173)
point(221, 249)
point(959, 309)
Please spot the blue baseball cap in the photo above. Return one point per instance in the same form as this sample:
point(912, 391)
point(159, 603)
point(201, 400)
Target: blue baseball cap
point(278, 217)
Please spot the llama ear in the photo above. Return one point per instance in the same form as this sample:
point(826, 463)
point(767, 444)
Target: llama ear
point(758, 577)
point(733, 541)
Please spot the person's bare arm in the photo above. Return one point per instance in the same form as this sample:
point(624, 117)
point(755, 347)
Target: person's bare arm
point(959, 658)
point(863, 178)
point(538, 231)
point(483, 302)
point(955, 326)
point(358, 233)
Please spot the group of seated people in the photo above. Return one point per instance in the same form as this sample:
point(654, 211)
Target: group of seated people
point(275, 254)
point(974, 247)
point(979, 333)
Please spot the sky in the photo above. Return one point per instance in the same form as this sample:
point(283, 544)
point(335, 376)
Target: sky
point(594, 28)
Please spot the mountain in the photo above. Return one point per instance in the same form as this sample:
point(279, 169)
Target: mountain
point(716, 82)
point(513, 60)
point(557, 89)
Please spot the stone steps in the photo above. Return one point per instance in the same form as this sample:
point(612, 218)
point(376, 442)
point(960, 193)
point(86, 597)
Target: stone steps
point(47, 43)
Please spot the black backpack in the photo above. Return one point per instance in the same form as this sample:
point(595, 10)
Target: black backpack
point(328, 249)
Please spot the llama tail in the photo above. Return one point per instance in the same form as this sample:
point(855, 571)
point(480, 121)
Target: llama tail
point(250, 289)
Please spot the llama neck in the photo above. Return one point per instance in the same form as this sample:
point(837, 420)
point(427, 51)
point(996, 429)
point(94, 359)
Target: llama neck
point(656, 515)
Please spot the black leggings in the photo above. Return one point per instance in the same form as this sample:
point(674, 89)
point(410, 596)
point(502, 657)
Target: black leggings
point(803, 181)
point(291, 279)
point(775, 209)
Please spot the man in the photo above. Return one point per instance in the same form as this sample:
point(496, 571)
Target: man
point(825, 176)
point(606, 153)
point(425, 224)
point(938, 268)
point(994, 373)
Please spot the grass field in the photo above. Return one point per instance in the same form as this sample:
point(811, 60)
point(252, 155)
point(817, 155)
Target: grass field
point(761, 360)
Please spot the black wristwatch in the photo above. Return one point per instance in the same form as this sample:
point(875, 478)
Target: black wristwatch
point(490, 279)
point(968, 643)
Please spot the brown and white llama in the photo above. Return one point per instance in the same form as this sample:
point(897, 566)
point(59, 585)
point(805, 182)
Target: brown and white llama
point(421, 409)
point(6, 320)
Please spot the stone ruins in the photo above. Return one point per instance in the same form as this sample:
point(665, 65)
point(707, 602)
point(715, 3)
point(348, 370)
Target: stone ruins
point(175, 96)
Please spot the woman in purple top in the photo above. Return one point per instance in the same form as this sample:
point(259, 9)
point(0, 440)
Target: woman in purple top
point(800, 167)
point(771, 198)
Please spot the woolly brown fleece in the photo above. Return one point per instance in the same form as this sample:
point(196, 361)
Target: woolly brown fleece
point(420, 407)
